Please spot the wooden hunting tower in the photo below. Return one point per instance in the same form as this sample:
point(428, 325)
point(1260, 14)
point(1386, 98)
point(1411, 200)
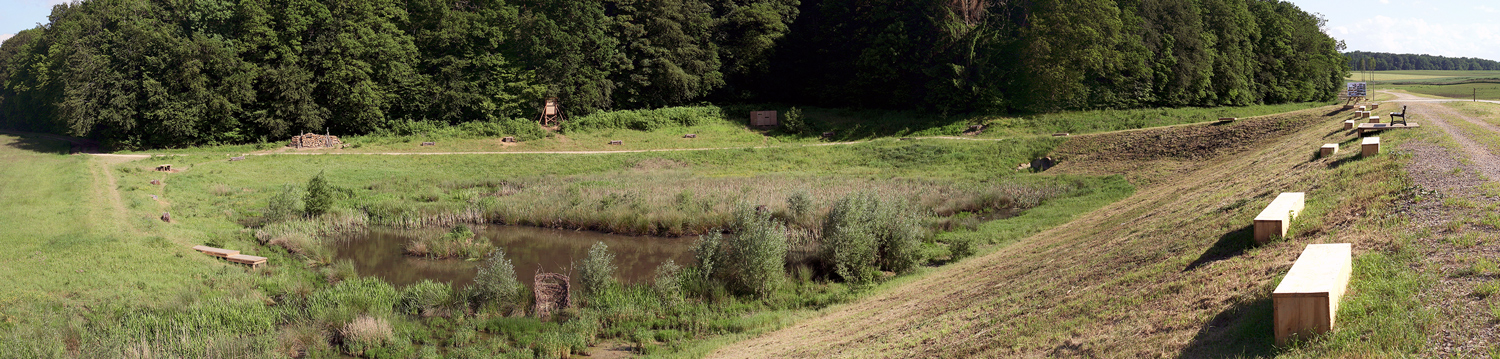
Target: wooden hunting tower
point(551, 112)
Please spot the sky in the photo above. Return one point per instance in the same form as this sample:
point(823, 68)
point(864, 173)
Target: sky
point(1454, 28)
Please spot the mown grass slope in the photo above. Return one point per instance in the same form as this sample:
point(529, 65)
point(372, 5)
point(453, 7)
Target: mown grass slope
point(1169, 271)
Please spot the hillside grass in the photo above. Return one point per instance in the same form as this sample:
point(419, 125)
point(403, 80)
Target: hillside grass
point(1169, 271)
point(719, 127)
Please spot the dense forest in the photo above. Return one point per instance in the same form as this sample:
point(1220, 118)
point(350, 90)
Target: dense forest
point(1380, 61)
point(151, 73)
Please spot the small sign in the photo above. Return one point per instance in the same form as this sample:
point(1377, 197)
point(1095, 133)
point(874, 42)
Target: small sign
point(1355, 89)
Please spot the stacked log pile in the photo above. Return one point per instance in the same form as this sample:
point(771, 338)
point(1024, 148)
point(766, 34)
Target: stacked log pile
point(313, 140)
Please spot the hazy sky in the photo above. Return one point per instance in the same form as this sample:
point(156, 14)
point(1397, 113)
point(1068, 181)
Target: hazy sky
point(1457, 28)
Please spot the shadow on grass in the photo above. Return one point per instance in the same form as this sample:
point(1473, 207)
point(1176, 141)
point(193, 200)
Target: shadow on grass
point(1242, 330)
point(30, 142)
point(1229, 245)
point(1343, 161)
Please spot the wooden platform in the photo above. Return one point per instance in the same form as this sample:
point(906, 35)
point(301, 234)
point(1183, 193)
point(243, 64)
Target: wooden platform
point(1274, 220)
point(1307, 300)
point(1328, 149)
point(253, 261)
point(1383, 126)
point(1369, 146)
point(217, 252)
point(232, 255)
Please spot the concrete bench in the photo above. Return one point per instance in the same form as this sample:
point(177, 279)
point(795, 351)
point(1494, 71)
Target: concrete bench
point(250, 260)
point(1277, 217)
point(1328, 149)
point(1349, 125)
point(1369, 146)
point(217, 252)
point(1307, 300)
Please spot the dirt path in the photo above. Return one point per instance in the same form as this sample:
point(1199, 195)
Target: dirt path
point(1457, 178)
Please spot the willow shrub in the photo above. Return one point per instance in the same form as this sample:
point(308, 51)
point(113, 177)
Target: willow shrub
point(865, 233)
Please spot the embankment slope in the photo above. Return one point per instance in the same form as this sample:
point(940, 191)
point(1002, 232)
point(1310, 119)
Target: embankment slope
point(1169, 271)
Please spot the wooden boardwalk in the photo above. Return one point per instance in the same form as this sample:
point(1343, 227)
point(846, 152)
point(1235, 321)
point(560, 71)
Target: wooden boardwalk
point(232, 255)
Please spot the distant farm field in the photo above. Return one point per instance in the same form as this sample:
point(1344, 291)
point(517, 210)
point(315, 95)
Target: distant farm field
point(1482, 91)
point(1420, 76)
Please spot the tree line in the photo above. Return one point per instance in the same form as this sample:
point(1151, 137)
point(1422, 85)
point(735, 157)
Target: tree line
point(150, 73)
point(1381, 61)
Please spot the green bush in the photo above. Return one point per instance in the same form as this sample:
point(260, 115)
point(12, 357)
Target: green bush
point(425, 298)
point(319, 195)
point(794, 123)
point(284, 205)
point(496, 282)
point(667, 281)
point(864, 233)
point(598, 270)
point(706, 254)
point(644, 120)
point(755, 256)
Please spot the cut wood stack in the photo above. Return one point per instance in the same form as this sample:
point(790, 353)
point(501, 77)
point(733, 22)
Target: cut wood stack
point(313, 140)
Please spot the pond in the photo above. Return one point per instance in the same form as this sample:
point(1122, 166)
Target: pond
point(379, 253)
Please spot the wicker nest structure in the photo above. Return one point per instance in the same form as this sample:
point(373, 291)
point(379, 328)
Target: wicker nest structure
point(551, 292)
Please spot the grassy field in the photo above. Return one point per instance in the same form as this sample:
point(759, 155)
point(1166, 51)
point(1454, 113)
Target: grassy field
point(1482, 91)
point(125, 284)
point(1417, 76)
point(727, 128)
point(1167, 272)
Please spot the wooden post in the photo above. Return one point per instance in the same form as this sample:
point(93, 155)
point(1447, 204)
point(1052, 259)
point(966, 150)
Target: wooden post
point(1369, 146)
point(1277, 216)
point(1307, 300)
point(1328, 150)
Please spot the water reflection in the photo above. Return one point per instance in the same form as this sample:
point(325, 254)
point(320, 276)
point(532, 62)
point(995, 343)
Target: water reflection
point(378, 252)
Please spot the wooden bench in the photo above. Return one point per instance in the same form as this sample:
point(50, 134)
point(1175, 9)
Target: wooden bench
point(1307, 300)
point(1277, 217)
point(1374, 119)
point(240, 158)
point(1401, 114)
point(616, 142)
point(1328, 149)
point(217, 252)
point(1384, 126)
point(1349, 125)
point(1375, 107)
point(429, 143)
point(1060, 134)
point(1228, 119)
point(250, 260)
point(1362, 107)
point(1369, 146)
point(508, 139)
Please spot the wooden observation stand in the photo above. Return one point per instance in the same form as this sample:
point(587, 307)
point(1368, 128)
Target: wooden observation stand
point(551, 112)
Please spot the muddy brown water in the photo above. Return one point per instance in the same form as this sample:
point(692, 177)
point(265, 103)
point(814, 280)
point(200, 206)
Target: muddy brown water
point(379, 252)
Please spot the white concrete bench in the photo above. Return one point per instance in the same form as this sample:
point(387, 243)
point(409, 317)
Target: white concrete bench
point(1277, 216)
point(1328, 150)
point(1369, 146)
point(1307, 300)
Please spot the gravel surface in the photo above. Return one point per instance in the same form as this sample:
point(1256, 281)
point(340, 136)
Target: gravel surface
point(1452, 181)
